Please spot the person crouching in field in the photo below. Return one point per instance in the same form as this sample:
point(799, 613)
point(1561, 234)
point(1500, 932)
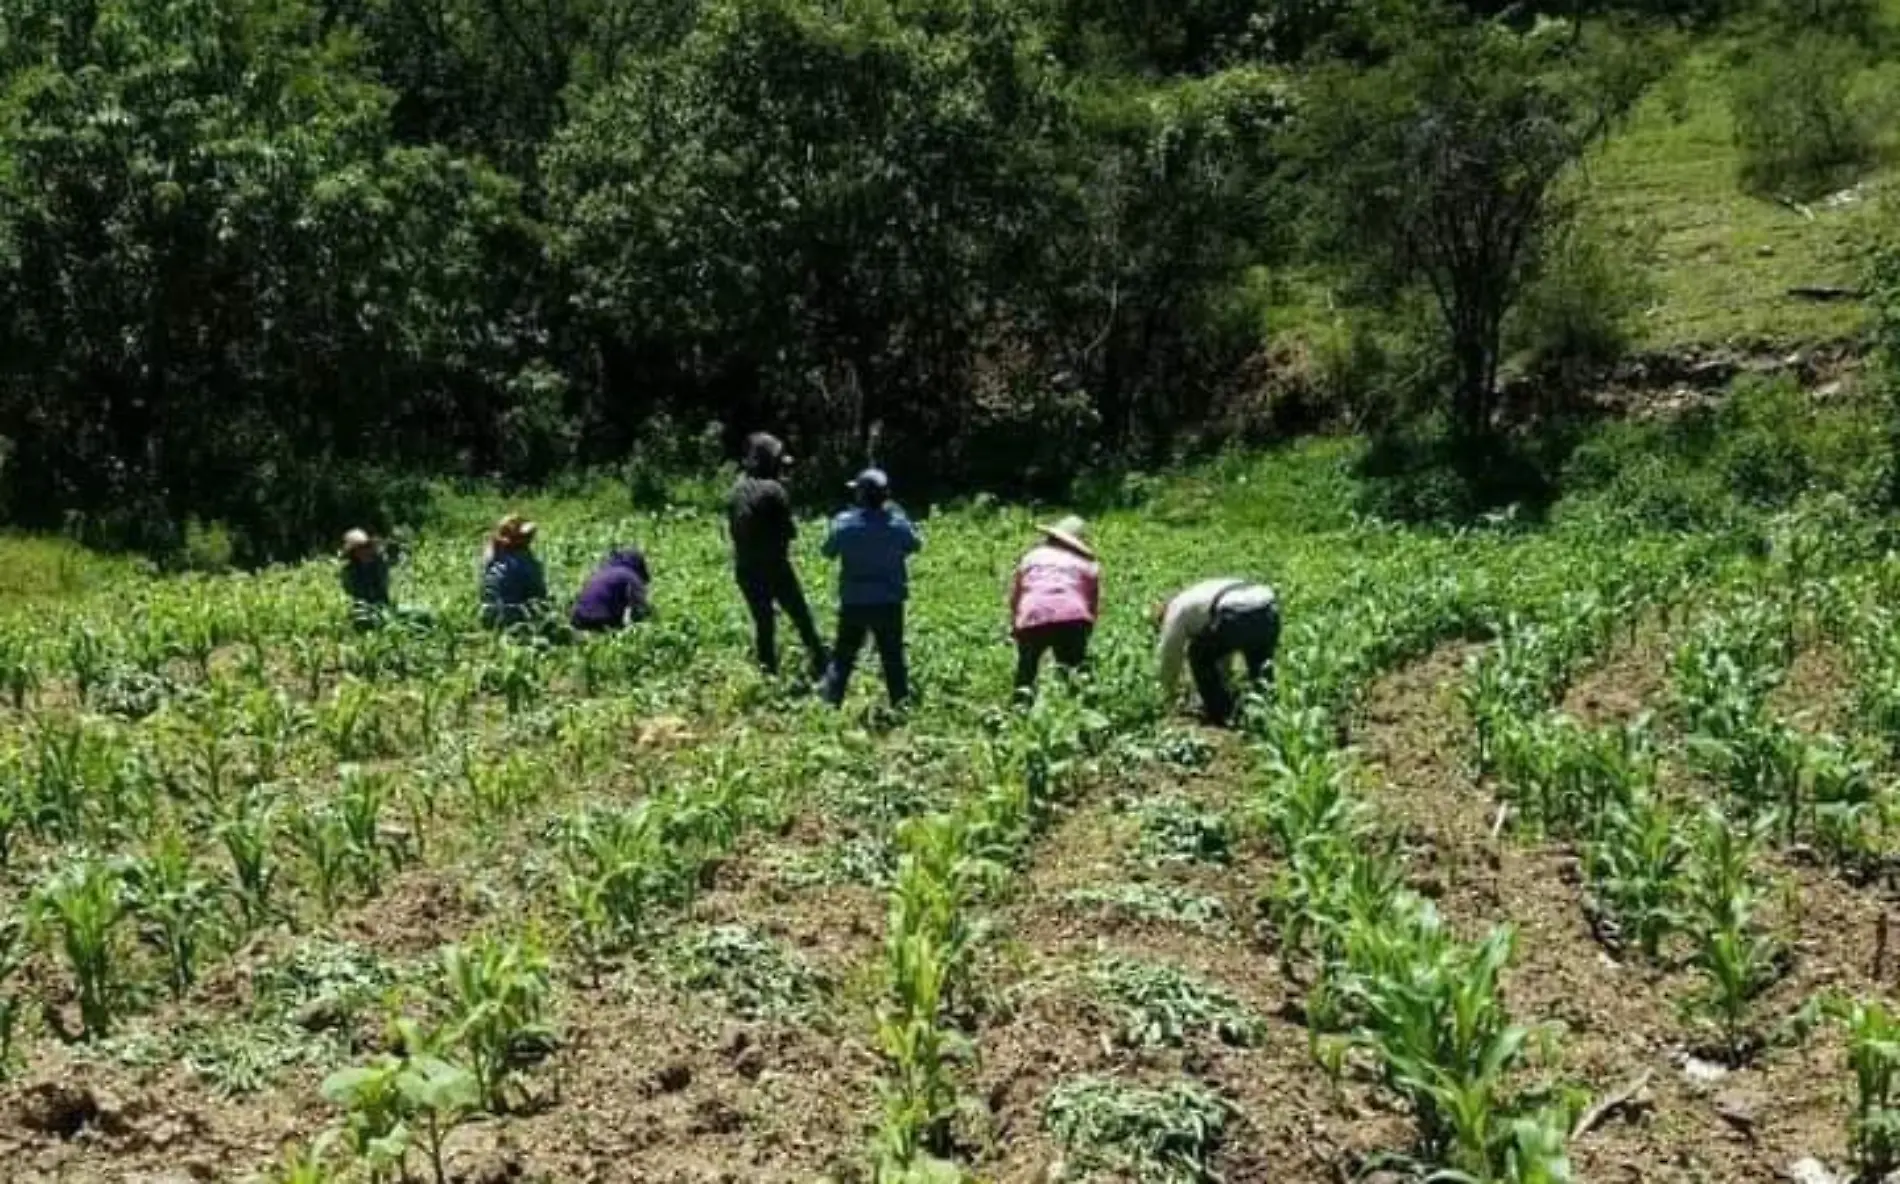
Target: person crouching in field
point(873, 543)
point(1208, 624)
point(615, 596)
point(365, 578)
point(1054, 598)
point(759, 522)
point(514, 588)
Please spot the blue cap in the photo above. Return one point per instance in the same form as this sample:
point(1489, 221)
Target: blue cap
point(871, 479)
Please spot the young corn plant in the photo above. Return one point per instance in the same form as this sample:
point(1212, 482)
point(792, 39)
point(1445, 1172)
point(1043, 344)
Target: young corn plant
point(248, 838)
point(83, 907)
point(176, 905)
point(1873, 1050)
point(1635, 867)
point(1721, 906)
point(1431, 1012)
point(20, 671)
point(359, 804)
point(87, 657)
point(320, 836)
point(497, 995)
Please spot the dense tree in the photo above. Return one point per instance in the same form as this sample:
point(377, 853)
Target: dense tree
point(1441, 166)
point(225, 284)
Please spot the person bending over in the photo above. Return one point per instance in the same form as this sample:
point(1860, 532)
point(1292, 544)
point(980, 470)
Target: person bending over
point(615, 596)
point(1207, 625)
point(1053, 601)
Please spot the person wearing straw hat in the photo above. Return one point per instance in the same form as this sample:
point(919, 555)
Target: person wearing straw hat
point(364, 574)
point(1054, 598)
point(514, 588)
point(873, 543)
point(1209, 623)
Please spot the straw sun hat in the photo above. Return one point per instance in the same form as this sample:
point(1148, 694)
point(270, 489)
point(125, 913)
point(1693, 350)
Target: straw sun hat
point(354, 541)
point(1070, 532)
point(514, 529)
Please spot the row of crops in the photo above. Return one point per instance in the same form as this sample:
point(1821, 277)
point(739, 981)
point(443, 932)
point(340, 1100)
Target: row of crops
point(192, 770)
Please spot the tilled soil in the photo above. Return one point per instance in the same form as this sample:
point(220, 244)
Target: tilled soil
point(1290, 1123)
point(1622, 1022)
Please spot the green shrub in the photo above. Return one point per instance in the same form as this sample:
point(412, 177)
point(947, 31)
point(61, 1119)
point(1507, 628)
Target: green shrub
point(1578, 313)
point(1798, 129)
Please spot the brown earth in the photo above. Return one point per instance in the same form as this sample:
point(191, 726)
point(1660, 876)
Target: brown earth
point(1620, 1021)
point(1290, 1123)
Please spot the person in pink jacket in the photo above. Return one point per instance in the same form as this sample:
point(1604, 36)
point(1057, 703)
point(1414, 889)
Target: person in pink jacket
point(1053, 600)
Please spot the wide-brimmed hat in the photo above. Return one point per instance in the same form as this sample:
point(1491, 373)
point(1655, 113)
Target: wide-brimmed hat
point(1070, 532)
point(514, 530)
point(354, 541)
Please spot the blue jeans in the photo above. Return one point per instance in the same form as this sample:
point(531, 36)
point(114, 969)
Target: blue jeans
point(885, 624)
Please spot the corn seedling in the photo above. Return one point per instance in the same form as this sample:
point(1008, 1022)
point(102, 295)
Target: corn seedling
point(83, 906)
point(320, 836)
point(497, 996)
point(1873, 1050)
point(248, 837)
point(20, 673)
point(1635, 866)
point(176, 905)
point(1721, 902)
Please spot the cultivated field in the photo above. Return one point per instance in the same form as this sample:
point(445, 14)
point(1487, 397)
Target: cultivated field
point(1561, 854)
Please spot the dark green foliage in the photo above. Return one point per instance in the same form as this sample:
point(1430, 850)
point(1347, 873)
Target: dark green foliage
point(229, 291)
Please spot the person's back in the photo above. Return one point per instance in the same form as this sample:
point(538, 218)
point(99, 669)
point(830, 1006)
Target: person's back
point(512, 586)
point(615, 594)
point(759, 519)
point(873, 546)
point(1055, 586)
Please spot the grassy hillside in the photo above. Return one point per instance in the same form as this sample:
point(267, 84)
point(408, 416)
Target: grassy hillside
point(1724, 259)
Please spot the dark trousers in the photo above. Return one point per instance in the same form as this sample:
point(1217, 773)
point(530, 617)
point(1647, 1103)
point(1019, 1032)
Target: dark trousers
point(767, 589)
point(884, 623)
point(1068, 641)
point(1253, 632)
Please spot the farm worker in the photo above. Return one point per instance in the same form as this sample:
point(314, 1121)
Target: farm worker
point(514, 588)
point(872, 542)
point(365, 578)
point(1208, 624)
point(759, 522)
point(1053, 600)
point(615, 595)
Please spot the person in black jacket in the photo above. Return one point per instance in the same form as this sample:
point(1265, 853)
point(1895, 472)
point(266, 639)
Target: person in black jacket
point(759, 520)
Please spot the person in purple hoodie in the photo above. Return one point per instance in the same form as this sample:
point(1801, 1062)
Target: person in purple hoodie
point(615, 595)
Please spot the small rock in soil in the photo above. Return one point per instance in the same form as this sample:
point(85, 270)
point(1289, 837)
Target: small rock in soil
point(1809, 1170)
point(750, 1063)
point(1739, 1111)
point(734, 1040)
point(1703, 1072)
point(673, 1078)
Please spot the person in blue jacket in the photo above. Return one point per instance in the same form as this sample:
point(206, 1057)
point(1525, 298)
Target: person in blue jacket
point(872, 542)
point(514, 588)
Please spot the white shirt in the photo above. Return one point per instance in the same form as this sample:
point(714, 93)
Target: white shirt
point(1192, 612)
